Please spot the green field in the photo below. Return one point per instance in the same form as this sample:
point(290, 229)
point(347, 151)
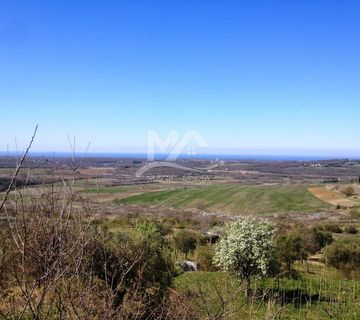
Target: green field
point(234, 199)
point(314, 296)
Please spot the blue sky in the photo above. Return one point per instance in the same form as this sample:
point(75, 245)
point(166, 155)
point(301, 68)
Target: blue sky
point(250, 76)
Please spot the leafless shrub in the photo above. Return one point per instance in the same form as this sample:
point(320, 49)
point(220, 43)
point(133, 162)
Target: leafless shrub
point(55, 264)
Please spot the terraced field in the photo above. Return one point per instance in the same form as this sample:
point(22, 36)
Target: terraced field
point(234, 199)
point(332, 197)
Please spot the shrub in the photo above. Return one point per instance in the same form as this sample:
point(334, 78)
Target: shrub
point(344, 255)
point(204, 256)
point(348, 191)
point(290, 248)
point(314, 239)
point(351, 230)
point(355, 213)
point(185, 241)
point(321, 239)
point(137, 268)
point(334, 228)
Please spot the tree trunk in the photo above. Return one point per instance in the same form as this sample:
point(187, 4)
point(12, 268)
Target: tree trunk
point(289, 269)
point(248, 289)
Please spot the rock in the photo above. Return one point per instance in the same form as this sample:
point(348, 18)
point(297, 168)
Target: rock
point(189, 266)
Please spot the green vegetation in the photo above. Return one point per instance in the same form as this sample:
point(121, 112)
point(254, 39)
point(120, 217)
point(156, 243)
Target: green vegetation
point(126, 263)
point(204, 256)
point(234, 199)
point(185, 241)
point(351, 230)
point(246, 250)
point(290, 248)
point(331, 227)
point(315, 295)
point(344, 255)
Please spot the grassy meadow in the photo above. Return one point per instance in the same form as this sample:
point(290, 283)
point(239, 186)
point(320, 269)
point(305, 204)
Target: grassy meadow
point(234, 199)
point(317, 294)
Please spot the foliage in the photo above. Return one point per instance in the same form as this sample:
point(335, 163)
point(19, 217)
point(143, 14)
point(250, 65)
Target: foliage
point(137, 268)
point(322, 238)
point(290, 248)
point(246, 249)
point(67, 267)
point(348, 191)
point(185, 241)
point(331, 227)
point(344, 255)
point(212, 295)
point(315, 239)
point(351, 230)
point(355, 213)
point(317, 295)
point(150, 233)
point(204, 256)
point(312, 240)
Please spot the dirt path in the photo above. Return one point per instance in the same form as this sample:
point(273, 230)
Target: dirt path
point(331, 197)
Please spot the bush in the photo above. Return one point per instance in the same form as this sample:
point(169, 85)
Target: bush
point(204, 256)
point(321, 239)
point(185, 241)
point(344, 255)
point(351, 230)
point(348, 191)
point(137, 268)
point(355, 213)
point(290, 248)
point(334, 228)
point(315, 239)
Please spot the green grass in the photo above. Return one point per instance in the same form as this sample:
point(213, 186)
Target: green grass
point(234, 199)
point(309, 297)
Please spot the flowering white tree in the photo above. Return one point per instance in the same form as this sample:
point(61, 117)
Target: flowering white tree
point(246, 249)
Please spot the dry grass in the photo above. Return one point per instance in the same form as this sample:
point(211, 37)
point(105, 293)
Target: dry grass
point(331, 196)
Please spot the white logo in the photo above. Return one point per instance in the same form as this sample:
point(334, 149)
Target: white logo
point(173, 146)
point(187, 144)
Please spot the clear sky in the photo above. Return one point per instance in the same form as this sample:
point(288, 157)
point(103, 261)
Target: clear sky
point(281, 76)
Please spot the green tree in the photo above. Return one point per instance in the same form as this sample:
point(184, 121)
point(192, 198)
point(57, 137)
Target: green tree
point(185, 241)
point(344, 255)
point(246, 249)
point(290, 248)
point(321, 239)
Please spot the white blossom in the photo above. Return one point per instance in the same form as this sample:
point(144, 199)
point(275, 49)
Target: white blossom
point(246, 248)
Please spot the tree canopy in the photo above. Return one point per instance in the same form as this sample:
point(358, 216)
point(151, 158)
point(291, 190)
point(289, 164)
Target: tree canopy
point(246, 249)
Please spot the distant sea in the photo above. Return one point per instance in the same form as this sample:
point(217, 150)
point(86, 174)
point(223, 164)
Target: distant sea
point(183, 156)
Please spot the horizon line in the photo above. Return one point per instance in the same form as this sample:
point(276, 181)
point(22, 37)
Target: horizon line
point(162, 156)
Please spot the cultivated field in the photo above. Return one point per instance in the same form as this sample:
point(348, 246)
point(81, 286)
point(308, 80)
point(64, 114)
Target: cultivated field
point(234, 199)
point(332, 197)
